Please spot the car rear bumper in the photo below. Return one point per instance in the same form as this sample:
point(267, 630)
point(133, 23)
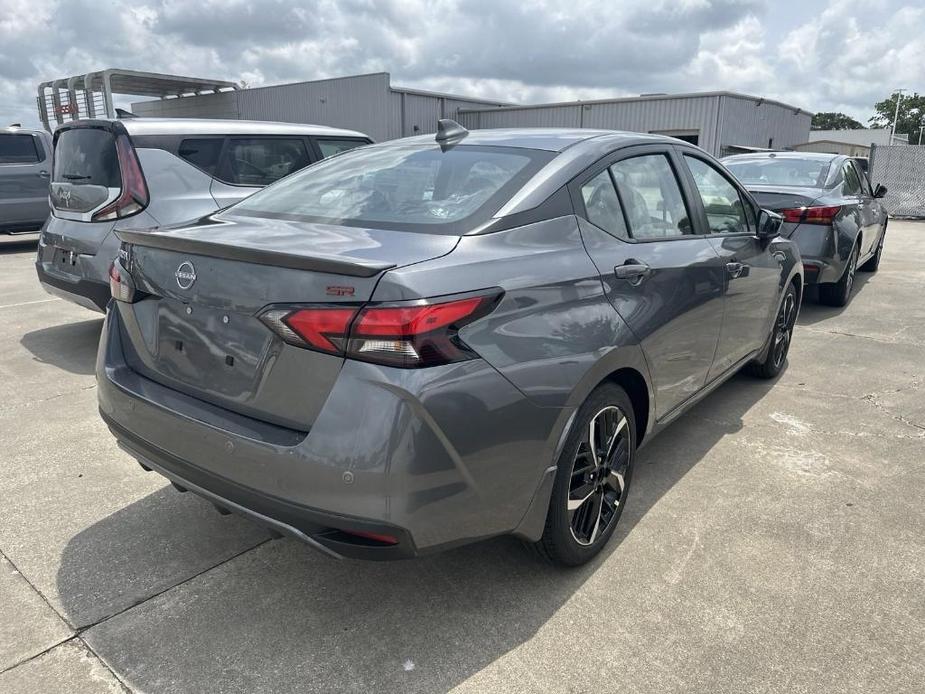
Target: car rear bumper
point(822, 262)
point(433, 458)
point(84, 292)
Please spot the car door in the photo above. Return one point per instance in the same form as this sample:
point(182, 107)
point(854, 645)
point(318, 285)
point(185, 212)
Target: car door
point(249, 163)
point(662, 277)
point(858, 187)
point(24, 175)
point(752, 272)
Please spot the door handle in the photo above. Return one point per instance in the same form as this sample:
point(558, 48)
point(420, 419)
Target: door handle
point(734, 269)
point(43, 174)
point(631, 271)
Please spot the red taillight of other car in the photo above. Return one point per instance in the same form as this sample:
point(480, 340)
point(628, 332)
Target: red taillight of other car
point(134, 195)
point(810, 215)
point(412, 335)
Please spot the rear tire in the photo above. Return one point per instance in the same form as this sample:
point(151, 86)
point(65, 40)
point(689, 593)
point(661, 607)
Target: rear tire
point(873, 264)
point(592, 480)
point(781, 336)
point(839, 293)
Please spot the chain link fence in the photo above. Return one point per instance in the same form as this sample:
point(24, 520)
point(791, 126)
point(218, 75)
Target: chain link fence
point(901, 168)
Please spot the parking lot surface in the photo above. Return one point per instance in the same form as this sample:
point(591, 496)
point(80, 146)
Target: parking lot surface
point(774, 541)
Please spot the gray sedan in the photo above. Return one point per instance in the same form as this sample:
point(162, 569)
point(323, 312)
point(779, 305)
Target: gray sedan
point(422, 343)
point(829, 210)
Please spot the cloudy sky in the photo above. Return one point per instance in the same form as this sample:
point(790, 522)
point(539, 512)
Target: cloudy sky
point(821, 55)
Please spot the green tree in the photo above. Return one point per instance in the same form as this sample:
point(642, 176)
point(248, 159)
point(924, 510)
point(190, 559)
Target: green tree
point(830, 120)
point(911, 114)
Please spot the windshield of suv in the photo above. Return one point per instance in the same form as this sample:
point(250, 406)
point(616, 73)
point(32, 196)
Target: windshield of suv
point(413, 187)
point(780, 171)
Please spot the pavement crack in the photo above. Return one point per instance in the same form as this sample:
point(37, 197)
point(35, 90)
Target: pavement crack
point(83, 629)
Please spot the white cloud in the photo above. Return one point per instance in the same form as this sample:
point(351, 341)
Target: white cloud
point(845, 55)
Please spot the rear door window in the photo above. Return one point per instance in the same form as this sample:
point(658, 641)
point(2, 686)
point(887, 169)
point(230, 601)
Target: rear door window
point(602, 205)
point(725, 208)
point(329, 146)
point(18, 149)
point(651, 197)
point(259, 161)
point(203, 153)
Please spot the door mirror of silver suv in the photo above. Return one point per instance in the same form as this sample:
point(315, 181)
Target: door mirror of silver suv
point(769, 224)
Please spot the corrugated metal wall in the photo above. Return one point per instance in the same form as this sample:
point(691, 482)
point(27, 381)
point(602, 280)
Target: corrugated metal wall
point(221, 105)
point(689, 115)
point(757, 123)
point(363, 102)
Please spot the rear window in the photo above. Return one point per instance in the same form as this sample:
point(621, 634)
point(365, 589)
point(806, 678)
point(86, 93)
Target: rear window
point(86, 156)
point(18, 149)
point(330, 147)
point(261, 161)
point(409, 187)
point(780, 171)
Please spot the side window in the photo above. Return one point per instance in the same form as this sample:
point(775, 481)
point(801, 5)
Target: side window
point(852, 184)
point(202, 153)
point(651, 197)
point(259, 161)
point(726, 211)
point(603, 206)
point(18, 149)
point(331, 147)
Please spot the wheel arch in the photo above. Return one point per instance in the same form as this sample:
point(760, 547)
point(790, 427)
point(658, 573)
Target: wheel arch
point(636, 387)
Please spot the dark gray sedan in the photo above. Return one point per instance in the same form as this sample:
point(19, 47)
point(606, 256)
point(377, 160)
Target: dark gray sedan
point(421, 343)
point(830, 211)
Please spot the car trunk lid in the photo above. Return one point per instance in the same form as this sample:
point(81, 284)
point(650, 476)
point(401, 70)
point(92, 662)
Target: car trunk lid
point(198, 330)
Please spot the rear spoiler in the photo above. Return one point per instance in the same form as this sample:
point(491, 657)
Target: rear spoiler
point(258, 256)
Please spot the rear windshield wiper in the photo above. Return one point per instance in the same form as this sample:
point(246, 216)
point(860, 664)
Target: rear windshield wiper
point(75, 177)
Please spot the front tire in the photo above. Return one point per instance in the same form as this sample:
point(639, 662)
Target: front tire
point(838, 293)
point(592, 480)
point(781, 336)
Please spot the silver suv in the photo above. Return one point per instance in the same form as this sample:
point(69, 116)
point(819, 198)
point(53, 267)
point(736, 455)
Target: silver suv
point(25, 163)
point(139, 173)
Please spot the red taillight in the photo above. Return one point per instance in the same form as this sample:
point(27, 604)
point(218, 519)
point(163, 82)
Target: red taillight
point(121, 286)
point(375, 537)
point(407, 336)
point(810, 215)
point(134, 196)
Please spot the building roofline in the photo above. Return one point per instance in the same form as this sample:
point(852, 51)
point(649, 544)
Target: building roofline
point(388, 76)
point(650, 97)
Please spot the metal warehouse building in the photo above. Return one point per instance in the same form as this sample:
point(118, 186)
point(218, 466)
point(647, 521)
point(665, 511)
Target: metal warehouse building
point(720, 122)
point(367, 103)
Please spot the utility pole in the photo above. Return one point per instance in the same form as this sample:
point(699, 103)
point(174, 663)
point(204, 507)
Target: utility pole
point(899, 97)
point(921, 128)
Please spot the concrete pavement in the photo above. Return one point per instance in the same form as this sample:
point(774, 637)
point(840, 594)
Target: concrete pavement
point(774, 540)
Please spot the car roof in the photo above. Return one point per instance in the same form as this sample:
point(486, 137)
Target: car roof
point(548, 139)
point(226, 126)
point(19, 129)
point(811, 156)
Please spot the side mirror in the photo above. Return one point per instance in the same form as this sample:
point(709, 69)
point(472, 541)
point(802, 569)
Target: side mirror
point(880, 190)
point(769, 224)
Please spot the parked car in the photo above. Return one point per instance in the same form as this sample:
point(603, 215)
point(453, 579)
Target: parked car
point(144, 172)
point(25, 164)
point(422, 343)
point(830, 211)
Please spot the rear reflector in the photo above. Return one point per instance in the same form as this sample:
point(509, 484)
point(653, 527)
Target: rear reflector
point(121, 285)
point(413, 335)
point(375, 537)
point(134, 195)
point(810, 215)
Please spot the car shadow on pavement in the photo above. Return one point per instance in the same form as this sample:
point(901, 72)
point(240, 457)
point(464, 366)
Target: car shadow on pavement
point(18, 244)
point(811, 311)
point(290, 619)
point(69, 346)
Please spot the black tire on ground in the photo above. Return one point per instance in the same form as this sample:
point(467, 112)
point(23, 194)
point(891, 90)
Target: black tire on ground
point(608, 405)
point(873, 264)
point(781, 335)
point(839, 293)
